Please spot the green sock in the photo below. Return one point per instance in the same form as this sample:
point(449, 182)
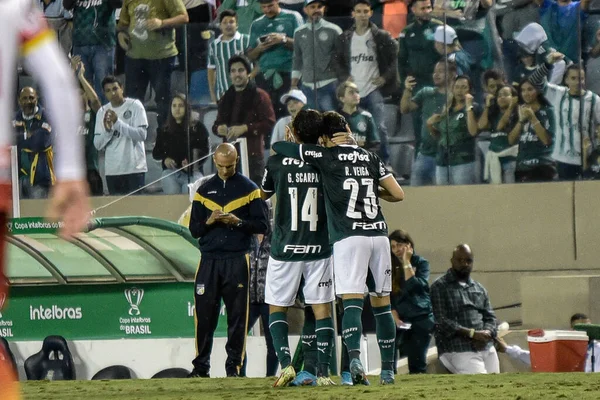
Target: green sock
point(279, 332)
point(324, 331)
point(309, 342)
point(352, 326)
point(386, 336)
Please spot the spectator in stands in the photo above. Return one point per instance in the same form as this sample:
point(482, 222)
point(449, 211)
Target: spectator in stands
point(229, 43)
point(272, 45)
point(259, 259)
point(517, 353)
point(314, 50)
point(91, 105)
point(426, 102)
point(121, 128)
point(395, 15)
point(411, 303)
point(499, 117)
point(456, 128)
point(534, 132)
point(295, 101)
point(563, 21)
point(369, 57)
point(447, 45)
point(94, 38)
point(361, 122)
point(146, 32)
point(245, 111)
point(417, 55)
point(34, 144)
point(465, 321)
point(571, 123)
point(512, 23)
point(180, 138)
point(61, 21)
point(247, 12)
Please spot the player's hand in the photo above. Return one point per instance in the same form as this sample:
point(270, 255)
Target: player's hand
point(170, 163)
point(289, 135)
point(153, 24)
point(482, 336)
point(70, 203)
point(410, 82)
point(344, 137)
point(222, 130)
point(214, 217)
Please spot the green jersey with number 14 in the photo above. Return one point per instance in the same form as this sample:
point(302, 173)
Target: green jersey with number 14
point(300, 226)
point(351, 178)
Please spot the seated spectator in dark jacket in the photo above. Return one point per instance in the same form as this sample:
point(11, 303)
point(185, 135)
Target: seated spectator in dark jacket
point(411, 304)
point(245, 111)
point(173, 149)
point(34, 142)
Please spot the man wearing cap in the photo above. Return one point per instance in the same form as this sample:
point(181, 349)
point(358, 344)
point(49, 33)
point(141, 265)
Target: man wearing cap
point(314, 46)
point(361, 122)
point(295, 100)
point(245, 111)
point(465, 321)
point(369, 56)
point(446, 44)
point(272, 45)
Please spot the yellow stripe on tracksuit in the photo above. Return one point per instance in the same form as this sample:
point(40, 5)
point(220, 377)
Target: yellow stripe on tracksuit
point(232, 205)
point(49, 156)
point(44, 36)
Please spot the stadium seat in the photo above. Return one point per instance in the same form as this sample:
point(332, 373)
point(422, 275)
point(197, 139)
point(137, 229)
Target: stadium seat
point(404, 132)
point(152, 130)
point(178, 82)
point(390, 112)
point(53, 362)
point(154, 173)
point(171, 373)
point(9, 353)
point(113, 372)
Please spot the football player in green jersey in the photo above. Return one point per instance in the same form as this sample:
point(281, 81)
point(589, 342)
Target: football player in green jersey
point(354, 179)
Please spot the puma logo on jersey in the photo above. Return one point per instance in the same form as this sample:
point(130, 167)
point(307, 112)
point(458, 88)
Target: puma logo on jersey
point(354, 157)
point(302, 249)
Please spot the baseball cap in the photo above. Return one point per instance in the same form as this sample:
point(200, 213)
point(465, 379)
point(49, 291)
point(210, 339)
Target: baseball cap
point(307, 2)
point(451, 36)
point(294, 94)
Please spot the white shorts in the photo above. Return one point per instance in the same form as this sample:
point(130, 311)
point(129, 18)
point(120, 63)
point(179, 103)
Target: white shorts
point(360, 260)
point(283, 279)
point(481, 362)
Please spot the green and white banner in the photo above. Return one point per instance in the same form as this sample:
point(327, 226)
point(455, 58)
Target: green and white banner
point(24, 226)
point(92, 312)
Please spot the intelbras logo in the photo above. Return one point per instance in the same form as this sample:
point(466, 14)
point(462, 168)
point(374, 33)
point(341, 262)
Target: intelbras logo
point(54, 312)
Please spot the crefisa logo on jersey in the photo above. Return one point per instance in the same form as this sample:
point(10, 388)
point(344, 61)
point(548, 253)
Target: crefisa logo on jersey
point(354, 157)
point(314, 153)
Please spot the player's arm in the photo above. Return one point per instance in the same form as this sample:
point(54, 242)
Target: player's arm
point(309, 153)
point(392, 191)
point(287, 149)
point(267, 187)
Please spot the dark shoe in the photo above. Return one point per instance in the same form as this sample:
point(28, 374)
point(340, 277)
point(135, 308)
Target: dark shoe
point(198, 374)
point(233, 375)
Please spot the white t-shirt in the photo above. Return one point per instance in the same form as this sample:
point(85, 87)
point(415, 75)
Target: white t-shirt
point(124, 143)
point(278, 134)
point(363, 62)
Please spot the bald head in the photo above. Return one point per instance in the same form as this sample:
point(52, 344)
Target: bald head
point(225, 159)
point(462, 261)
point(28, 100)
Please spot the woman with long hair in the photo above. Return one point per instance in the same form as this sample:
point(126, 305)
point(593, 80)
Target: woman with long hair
point(534, 133)
point(500, 117)
point(411, 304)
point(455, 129)
point(173, 150)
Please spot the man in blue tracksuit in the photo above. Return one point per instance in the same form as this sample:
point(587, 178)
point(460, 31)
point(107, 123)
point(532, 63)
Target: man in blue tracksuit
point(226, 212)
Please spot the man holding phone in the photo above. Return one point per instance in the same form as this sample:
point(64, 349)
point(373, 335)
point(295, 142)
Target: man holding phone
point(227, 211)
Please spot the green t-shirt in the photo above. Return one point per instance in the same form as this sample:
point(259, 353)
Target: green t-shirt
point(278, 57)
point(457, 146)
point(364, 129)
point(87, 130)
point(300, 224)
point(94, 23)
point(532, 152)
point(351, 178)
point(499, 139)
point(145, 44)
point(430, 101)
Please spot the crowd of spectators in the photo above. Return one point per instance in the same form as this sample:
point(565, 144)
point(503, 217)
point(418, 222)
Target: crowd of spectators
point(497, 94)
